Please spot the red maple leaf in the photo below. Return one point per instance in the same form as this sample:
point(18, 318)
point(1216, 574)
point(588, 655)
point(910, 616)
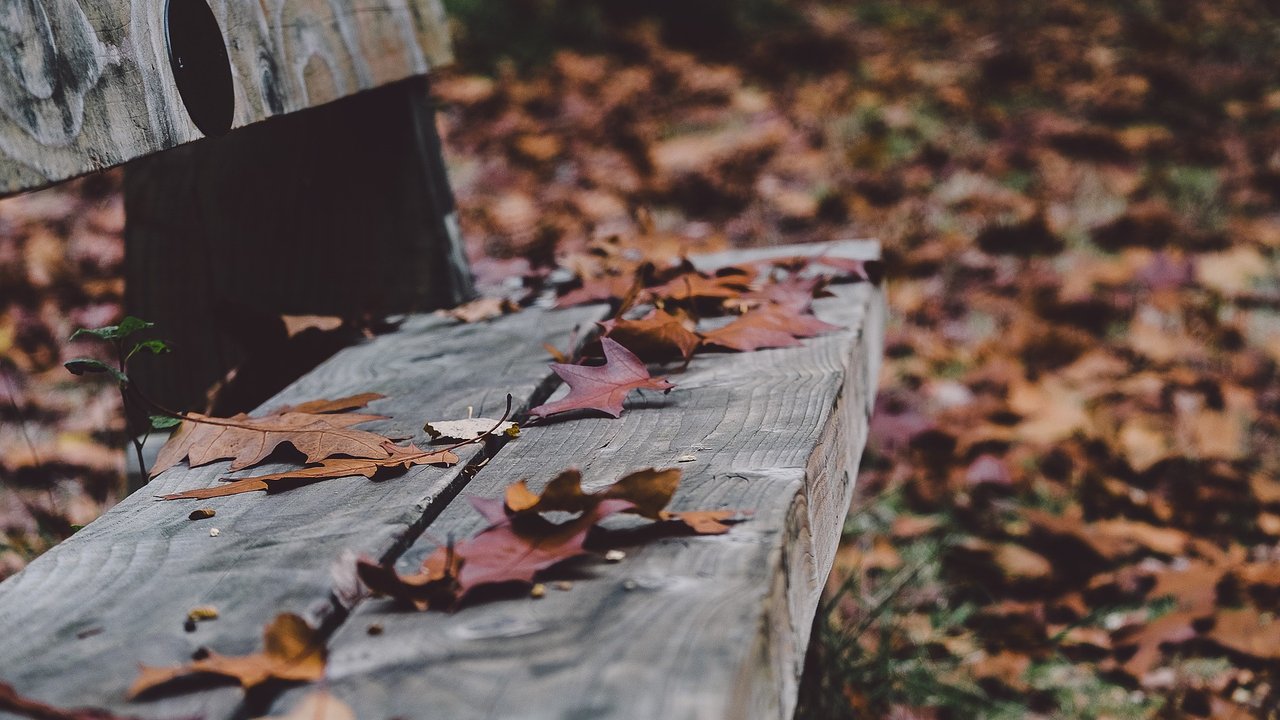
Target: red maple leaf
point(602, 387)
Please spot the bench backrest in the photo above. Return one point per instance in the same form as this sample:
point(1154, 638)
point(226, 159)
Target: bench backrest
point(89, 84)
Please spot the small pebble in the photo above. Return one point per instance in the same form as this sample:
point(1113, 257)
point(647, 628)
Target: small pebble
point(629, 585)
point(686, 458)
point(538, 590)
point(214, 532)
point(201, 653)
point(374, 629)
point(614, 556)
point(564, 585)
point(189, 625)
point(202, 514)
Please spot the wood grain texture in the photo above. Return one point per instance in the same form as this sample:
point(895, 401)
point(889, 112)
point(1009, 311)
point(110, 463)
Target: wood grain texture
point(703, 627)
point(339, 210)
point(77, 621)
point(86, 85)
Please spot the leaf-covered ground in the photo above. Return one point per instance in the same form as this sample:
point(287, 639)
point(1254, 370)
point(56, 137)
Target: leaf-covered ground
point(1071, 502)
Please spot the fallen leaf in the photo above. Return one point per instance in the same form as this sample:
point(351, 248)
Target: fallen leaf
point(485, 308)
point(292, 652)
point(602, 387)
point(660, 335)
point(1248, 632)
point(399, 458)
point(294, 324)
point(697, 286)
point(317, 705)
point(520, 542)
point(318, 434)
point(771, 326)
point(502, 553)
point(469, 429)
point(648, 491)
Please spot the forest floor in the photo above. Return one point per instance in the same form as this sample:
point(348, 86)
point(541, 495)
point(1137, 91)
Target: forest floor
point(1070, 504)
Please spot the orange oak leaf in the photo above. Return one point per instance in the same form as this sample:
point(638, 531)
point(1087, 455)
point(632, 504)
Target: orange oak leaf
point(399, 458)
point(647, 490)
point(248, 440)
point(292, 652)
point(602, 387)
point(695, 285)
point(485, 308)
point(660, 335)
point(771, 326)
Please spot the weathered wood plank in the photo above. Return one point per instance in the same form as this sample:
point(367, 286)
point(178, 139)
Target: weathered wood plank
point(77, 621)
point(339, 210)
point(707, 627)
point(87, 85)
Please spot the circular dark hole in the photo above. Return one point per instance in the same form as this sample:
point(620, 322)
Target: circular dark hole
point(200, 64)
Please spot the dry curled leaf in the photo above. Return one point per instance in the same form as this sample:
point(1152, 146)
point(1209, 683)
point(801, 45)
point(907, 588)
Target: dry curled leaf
point(398, 457)
point(469, 429)
point(660, 335)
point(502, 553)
point(292, 651)
point(602, 387)
point(317, 429)
point(485, 308)
point(520, 543)
point(770, 326)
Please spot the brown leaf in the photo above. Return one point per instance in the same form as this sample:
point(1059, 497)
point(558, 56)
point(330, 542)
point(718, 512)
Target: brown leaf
point(771, 326)
point(399, 457)
point(696, 286)
point(1248, 632)
point(294, 324)
point(318, 434)
point(603, 387)
point(703, 522)
point(485, 308)
point(648, 491)
point(660, 335)
point(292, 651)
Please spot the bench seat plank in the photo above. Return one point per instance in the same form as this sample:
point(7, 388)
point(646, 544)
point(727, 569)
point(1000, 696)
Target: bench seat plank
point(79, 619)
point(86, 85)
point(683, 628)
point(701, 627)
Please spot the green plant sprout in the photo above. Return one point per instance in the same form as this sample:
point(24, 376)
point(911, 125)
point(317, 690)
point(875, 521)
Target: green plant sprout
point(118, 336)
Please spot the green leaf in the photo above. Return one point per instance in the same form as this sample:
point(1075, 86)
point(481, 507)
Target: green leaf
point(164, 422)
point(155, 347)
point(127, 327)
point(89, 366)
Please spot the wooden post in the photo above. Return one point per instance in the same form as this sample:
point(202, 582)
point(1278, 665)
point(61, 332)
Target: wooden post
point(336, 210)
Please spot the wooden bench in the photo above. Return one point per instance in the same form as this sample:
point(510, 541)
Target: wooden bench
point(690, 627)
